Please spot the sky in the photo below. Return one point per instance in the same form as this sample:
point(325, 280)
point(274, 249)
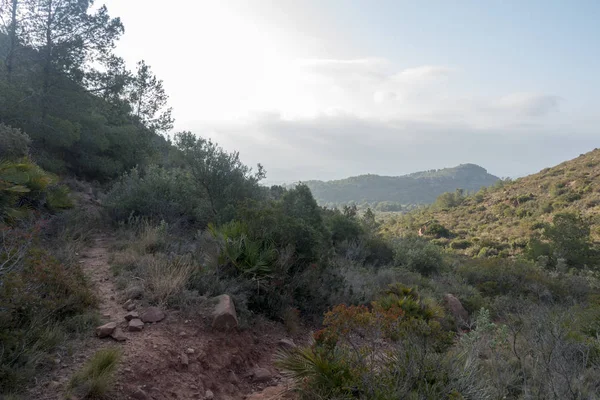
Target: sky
point(326, 89)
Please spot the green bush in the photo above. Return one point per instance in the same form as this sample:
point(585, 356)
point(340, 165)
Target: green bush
point(418, 255)
point(342, 227)
point(14, 144)
point(159, 194)
point(437, 230)
point(460, 244)
point(569, 236)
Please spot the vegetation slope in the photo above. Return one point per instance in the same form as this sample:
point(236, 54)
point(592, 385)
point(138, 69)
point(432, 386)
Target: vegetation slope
point(194, 222)
point(505, 218)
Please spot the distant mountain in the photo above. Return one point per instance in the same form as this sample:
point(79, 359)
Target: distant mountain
point(416, 188)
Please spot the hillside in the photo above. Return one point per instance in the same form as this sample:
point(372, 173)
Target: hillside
point(501, 220)
point(141, 263)
point(416, 188)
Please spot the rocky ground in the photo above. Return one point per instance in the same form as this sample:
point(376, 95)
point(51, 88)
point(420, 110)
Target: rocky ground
point(167, 355)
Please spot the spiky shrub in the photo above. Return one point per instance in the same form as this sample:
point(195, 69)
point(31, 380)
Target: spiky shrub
point(392, 349)
point(96, 378)
point(25, 186)
point(253, 258)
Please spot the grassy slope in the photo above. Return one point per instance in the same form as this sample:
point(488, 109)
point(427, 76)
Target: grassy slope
point(505, 217)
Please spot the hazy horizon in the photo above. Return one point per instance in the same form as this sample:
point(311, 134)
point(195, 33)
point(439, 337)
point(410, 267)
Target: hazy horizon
point(331, 89)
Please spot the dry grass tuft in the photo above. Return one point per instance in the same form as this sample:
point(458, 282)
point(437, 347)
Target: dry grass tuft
point(166, 278)
point(96, 378)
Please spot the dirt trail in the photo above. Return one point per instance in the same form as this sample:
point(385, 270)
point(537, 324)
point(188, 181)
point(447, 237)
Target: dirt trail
point(94, 263)
point(177, 358)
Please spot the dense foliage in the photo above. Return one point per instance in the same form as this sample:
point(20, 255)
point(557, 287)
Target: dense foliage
point(61, 83)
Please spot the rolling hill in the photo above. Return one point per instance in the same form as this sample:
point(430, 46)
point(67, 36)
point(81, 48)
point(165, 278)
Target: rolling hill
point(502, 219)
point(417, 188)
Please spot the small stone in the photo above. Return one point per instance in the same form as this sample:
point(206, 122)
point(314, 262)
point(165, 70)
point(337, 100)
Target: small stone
point(194, 387)
point(140, 395)
point(135, 292)
point(154, 346)
point(53, 385)
point(135, 325)
point(152, 314)
point(189, 350)
point(182, 334)
point(106, 315)
point(127, 369)
point(261, 374)
point(131, 315)
point(118, 335)
point(184, 360)
point(209, 395)
point(129, 305)
point(106, 329)
point(233, 377)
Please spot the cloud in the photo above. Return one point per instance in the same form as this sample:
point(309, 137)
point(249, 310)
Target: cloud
point(333, 118)
point(337, 146)
point(369, 66)
point(527, 104)
point(422, 73)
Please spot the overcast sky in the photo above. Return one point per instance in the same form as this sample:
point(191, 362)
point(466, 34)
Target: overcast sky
point(324, 89)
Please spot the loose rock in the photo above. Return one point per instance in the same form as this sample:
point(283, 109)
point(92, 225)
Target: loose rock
point(131, 315)
point(135, 325)
point(118, 335)
point(233, 377)
point(152, 314)
point(261, 375)
point(209, 395)
point(183, 359)
point(456, 309)
point(189, 350)
point(140, 395)
point(106, 329)
point(224, 315)
point(135, 292)
point(129, 305)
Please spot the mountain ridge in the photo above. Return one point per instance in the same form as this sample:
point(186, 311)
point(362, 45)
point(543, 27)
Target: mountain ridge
point(421, 187)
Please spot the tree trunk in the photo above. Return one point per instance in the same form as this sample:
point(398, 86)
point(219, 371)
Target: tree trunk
point(47, 62)
point(12, 39)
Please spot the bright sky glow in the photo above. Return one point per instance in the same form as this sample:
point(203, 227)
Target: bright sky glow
point(332, 88)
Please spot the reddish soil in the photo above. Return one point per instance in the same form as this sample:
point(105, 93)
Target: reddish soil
point(154, 360)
